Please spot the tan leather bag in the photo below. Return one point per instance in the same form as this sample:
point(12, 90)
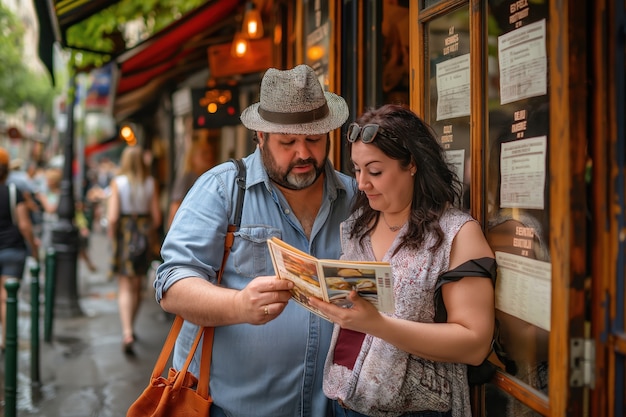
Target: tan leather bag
point(180, 393)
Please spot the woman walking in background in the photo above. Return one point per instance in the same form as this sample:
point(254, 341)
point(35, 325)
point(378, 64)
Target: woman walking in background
point(200, 158)
point(16, 236)
point(133, 216)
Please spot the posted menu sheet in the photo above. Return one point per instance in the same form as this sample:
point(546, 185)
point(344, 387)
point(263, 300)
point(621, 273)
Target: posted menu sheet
point(523, 63)
point(453, 87)
point(524, 288)
point(523, 173)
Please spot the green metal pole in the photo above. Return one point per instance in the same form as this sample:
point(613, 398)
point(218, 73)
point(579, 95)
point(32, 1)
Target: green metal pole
point(10, 360)
point(34, 324)
point(49, 290)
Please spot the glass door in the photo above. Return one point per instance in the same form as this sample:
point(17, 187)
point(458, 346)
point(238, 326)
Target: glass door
point(503, 84)
point(518, 202)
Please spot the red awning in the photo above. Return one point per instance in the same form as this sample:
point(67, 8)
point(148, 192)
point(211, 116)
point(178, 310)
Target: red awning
point(103, 146)
point(177, 50)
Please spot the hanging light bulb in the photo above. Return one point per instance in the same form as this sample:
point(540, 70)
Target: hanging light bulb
point(252, 22)
point(127, 133)
point(239, 46)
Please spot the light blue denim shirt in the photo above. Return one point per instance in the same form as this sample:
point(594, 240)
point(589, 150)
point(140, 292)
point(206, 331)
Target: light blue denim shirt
point(273, 369)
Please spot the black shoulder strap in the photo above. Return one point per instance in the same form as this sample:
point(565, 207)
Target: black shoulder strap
point(484, 267)
point(240, 181)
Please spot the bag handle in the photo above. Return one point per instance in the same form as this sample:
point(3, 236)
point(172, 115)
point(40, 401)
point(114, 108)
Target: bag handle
point(167, 347)
point(178, 382)
point(208, 332)
point(207, 343)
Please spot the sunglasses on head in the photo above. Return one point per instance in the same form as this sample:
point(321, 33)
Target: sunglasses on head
point(367, 132)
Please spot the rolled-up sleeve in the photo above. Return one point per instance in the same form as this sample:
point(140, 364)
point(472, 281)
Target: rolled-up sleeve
point(194, 244)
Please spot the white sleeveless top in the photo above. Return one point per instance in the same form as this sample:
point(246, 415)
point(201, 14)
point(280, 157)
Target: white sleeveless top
point(134, 199)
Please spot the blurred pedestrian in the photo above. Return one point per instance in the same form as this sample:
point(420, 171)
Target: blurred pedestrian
point(82, 224)
point(16, 236)
point(50, 202)
point(37, 176)
point(99, 190)
point(133, 216)
point(200, 157)
point(30, 188)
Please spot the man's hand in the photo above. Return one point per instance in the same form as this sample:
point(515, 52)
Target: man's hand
point(263, 299)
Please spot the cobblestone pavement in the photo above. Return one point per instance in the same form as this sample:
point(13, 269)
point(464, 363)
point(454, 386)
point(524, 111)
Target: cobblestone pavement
point(83, 371)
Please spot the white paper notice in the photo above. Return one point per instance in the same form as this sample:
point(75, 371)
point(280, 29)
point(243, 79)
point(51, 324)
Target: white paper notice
point(523, 288)
point(453, 87)
point(523, 173)
point(523, 63)
point(456, 158)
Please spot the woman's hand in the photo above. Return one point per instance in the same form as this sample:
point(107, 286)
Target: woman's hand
point(361, 317)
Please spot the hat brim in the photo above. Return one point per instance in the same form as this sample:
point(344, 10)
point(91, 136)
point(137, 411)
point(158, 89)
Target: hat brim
point(337, 116)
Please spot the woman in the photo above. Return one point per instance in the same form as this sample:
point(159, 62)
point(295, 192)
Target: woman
point(16, 236)
point(199, 158)
point(133, 215)
point(412, 362)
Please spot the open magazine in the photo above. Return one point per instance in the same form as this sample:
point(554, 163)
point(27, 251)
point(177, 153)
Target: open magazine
point(332, 280)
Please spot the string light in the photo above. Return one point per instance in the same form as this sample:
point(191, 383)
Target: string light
point(127, 133)
point(239, 46)
point(252, 22)
point(252, 28)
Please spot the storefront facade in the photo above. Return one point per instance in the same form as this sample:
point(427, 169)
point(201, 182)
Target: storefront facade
point(528, 99)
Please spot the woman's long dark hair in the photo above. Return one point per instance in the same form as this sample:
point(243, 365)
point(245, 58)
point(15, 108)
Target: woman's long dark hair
point(436, 187)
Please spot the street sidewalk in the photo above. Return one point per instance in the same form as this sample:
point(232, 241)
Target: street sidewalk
point(83, 371)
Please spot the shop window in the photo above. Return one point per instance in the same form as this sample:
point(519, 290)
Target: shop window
point(517, 206)
point(395, 52)
point(448, 92)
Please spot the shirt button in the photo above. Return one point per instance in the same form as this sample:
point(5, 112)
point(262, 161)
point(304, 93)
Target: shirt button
point(287, 211)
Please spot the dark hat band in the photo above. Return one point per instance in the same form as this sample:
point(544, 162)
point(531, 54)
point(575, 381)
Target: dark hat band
point(295, 118)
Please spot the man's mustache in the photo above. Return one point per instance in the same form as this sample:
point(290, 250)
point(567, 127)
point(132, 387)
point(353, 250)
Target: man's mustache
point(303, 162)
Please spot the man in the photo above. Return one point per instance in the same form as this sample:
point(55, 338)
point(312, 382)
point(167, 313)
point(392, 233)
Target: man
point(268, 354)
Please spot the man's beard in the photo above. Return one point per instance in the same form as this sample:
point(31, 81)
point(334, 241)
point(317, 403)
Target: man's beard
point(287, 178)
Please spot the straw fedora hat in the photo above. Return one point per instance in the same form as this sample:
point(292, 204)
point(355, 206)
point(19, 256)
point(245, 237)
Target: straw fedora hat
point(293, 102)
